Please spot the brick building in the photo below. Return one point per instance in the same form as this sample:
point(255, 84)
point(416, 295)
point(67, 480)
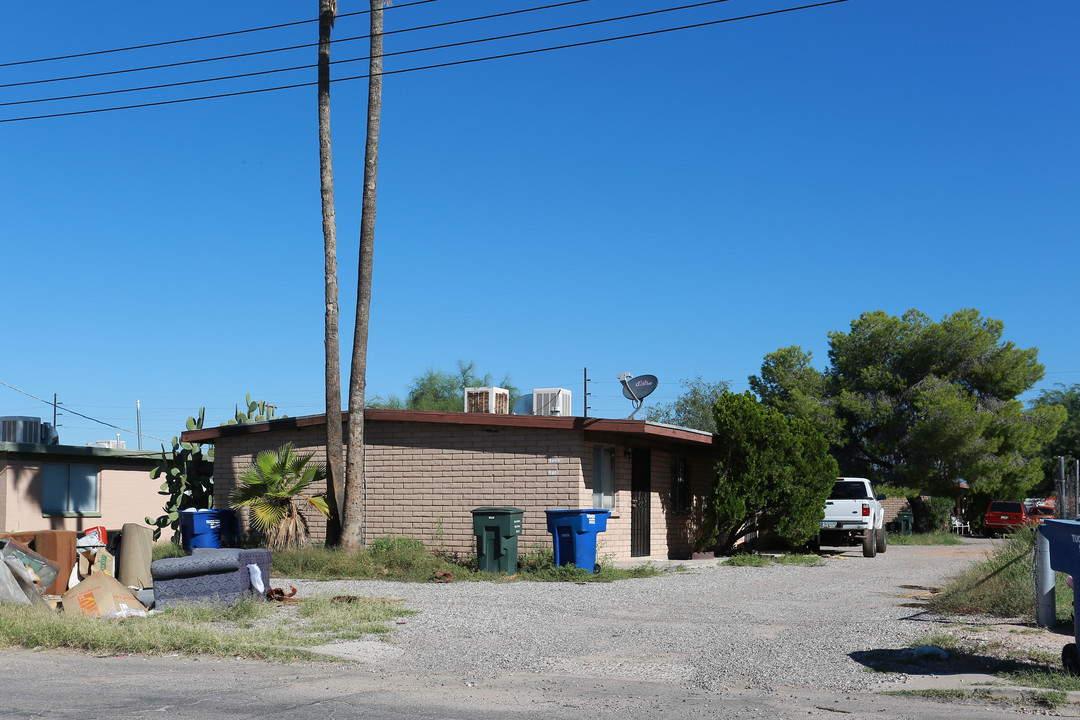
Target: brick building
point(426, 471)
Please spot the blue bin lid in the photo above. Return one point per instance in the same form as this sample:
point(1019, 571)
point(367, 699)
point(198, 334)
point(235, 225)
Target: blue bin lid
point(582, 511)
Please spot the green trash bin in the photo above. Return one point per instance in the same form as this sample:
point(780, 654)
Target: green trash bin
point(907, 522)
point(497, 530)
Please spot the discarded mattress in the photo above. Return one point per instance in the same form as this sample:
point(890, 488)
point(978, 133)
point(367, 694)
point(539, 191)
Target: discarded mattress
point(221, 577)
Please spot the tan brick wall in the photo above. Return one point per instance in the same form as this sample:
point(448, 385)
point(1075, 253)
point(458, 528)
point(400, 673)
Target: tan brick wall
point(424, 480)
point(892, 506)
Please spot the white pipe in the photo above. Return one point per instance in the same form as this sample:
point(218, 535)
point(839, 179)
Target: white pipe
point(1045, 602)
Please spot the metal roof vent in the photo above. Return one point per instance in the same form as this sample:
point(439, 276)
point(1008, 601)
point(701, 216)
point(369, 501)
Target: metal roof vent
point(554, 402)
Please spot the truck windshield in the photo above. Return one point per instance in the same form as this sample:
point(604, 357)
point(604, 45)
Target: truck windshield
point(848, 491)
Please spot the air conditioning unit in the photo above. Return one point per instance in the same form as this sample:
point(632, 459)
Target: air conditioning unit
point(492, 400)
point(20, 429)
point(551, 401)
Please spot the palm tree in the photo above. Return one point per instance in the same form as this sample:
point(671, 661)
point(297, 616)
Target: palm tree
point(272, 487)
point(355, 486)
point(335, 480)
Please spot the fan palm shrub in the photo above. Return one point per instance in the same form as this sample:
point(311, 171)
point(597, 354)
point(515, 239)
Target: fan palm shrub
point(274, 488)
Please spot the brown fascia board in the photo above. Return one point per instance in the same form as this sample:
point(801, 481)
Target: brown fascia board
point(640, 429)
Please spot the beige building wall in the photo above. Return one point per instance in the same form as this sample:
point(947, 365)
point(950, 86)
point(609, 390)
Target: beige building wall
point(126, 494)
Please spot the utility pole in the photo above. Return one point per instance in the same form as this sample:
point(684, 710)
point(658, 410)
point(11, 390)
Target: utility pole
point(585, 392)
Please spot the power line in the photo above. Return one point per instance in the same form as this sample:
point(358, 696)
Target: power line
point(253, 53)
point(193, 39)
point(468, 61)
point(68, 410)
point(429, 48)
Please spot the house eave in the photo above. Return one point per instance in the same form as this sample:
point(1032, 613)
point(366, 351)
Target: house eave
point(640, 429)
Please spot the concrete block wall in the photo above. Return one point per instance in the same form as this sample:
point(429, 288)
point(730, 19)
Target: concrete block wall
point(423, 481)
point(893, 506)
point(234, 455)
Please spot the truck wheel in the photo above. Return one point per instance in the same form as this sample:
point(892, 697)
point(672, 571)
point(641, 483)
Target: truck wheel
point(1070, 659)
point(882, 540)
point(869, 543)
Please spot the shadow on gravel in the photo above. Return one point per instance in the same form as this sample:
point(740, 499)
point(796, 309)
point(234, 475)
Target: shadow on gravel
point(918, 661)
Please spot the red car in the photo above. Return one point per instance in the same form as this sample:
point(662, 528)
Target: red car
point(1041, 514)
point(1005, 516)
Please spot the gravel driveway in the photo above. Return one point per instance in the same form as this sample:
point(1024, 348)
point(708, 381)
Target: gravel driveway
point(708, 628)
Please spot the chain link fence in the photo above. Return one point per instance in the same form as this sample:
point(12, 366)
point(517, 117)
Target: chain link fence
point(1068, 489)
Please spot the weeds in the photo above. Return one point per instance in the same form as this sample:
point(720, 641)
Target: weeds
point(410, 560)
point(1001, 584)
point(252, 628)
point(940, 537)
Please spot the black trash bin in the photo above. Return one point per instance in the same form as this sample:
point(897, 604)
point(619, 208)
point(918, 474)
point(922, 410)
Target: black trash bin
point(497, 530)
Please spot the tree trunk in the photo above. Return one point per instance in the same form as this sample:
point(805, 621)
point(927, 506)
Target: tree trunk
point(354, 526)
point(335, 475)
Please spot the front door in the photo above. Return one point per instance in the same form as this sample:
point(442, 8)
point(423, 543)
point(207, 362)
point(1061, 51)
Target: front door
point(640, 488)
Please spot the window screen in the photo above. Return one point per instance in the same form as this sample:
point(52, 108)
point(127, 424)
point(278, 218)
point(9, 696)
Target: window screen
point(603, 495)
point(69, 489)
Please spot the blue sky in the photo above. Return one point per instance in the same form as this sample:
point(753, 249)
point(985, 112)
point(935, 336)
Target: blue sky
point(679, 204)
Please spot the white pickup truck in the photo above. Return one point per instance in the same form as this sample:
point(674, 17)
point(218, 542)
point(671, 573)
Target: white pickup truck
point(854, 515)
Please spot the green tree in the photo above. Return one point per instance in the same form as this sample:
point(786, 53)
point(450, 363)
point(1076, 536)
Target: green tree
point(1067, 442)
point(443, 391)
point(790, 383)
point(272, 487)
point(774, 473)
point(921, 404)
point(693, 408)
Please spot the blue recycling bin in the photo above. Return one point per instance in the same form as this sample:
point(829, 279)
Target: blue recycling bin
point(574, 533)
point(1064, 539)
point(207, 529)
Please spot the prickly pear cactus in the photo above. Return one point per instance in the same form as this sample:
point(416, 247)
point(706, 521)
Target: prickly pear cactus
point(257, 411)
point(189, 480)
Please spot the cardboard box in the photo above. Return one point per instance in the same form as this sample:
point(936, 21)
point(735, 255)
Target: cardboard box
point(101, 595)
point(96, 560)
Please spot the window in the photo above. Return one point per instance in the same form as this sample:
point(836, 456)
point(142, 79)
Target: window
point(70, 490)
point(680, 486)
point(603, 478)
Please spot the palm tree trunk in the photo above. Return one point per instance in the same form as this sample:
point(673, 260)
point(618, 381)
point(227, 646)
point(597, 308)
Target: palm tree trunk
point(354, 525)
point(335, 461)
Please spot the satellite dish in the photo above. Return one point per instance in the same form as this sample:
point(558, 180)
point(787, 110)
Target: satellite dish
point(635, 389)
point(523, 406)
point(639, 388)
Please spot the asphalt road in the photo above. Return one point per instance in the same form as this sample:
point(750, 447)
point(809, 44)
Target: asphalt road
point(64, 684)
